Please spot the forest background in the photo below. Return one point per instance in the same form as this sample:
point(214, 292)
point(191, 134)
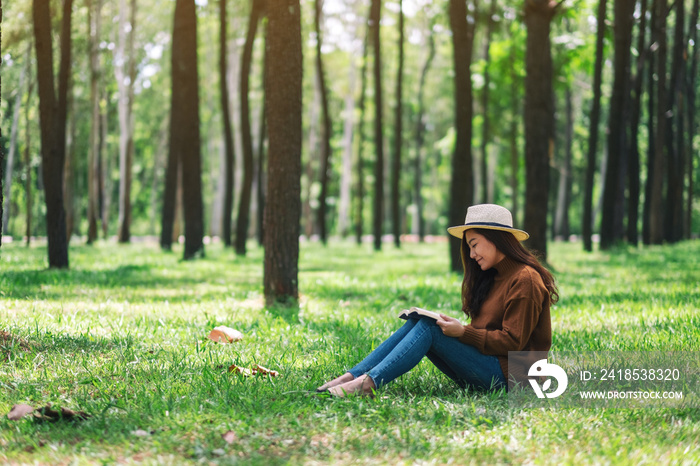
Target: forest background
point(565, 123)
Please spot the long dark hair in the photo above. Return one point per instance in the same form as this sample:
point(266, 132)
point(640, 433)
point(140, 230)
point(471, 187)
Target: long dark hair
point(477, 283)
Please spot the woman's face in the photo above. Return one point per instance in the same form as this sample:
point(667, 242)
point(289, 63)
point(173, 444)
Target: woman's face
point(483, 251)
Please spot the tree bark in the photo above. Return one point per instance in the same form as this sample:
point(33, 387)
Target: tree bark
point(94, 139)
point(229, 157)
point(588, 220)
point(675, 131)
point(360, 190)
point(398, 139)
point(691, 118)
point(28, 166)
point(561, 219)
point(283, 104)
point(243, 218)
point(420, 138)
point(612, 221)
point(124, 59)
point(486, 192)
point(184, 135)
point(462, 181)
point(636, 103)
point(326, 129)
point(348, 136)
point(539, 120)
point(656, 214)
point(14, 130)
point(378, 221)
point(52, 117)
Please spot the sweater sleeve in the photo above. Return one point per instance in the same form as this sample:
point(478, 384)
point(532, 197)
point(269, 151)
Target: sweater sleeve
point(523, 307)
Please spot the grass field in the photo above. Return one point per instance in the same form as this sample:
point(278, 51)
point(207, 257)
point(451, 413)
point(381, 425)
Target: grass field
point(122, 337)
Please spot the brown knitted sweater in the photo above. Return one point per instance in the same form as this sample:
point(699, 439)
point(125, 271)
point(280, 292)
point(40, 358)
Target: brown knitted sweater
point(515, 315)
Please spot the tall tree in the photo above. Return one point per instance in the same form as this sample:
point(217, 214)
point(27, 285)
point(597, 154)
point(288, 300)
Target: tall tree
point(184, 131)
point(419, 138)
point(675, 132)
point(2, 149)
point(635, 116)
point(561, 217)
point(125, 71)
point(53, 109)
point(539, 119)
point(360, 188)
point(612, 221)
point(691, 119)
point(14, 130)
point(462, 181)
point(283, 104)
point(486, 193)
point(243, 218)
point(656, 180)
point(227, 127)
point(94, 176)
point(326, 127)
point(398, 138)
point(378, 211)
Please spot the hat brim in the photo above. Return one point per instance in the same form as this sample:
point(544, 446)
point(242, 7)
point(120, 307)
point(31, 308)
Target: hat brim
point(457, 231)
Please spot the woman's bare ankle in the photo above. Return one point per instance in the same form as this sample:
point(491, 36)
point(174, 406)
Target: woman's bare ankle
point(347, 377)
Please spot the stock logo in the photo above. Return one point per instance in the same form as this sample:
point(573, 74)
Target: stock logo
point(542, 368)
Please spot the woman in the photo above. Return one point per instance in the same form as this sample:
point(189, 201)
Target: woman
point(506, 293)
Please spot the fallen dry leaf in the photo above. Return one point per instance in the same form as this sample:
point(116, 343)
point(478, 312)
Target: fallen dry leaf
point(223, 334)
point(229, 437)
point(47, 413)
point(19, 411)
point(240, 370)
point(258, 369)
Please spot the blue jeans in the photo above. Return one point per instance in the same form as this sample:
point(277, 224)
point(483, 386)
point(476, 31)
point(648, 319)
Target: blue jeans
point(403, 350)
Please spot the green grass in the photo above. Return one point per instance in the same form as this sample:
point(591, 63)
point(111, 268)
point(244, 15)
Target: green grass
point(122, 336)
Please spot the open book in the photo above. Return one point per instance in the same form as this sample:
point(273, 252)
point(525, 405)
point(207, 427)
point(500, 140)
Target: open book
point(417, 313)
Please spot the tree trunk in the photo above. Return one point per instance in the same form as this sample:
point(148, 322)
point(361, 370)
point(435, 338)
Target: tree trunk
point(419, 139)
point(398, 139)
point(675, 131)
point(486, 193)
point(27, 165)
point(283, 104)
point(326, 129)
point(462, 181)
point(612, 221)
point(184, 120)
point(515, 86)
point(691, 119)
point(52, 117)
point(261, 179)
point(348, 133)
point(651, 117)
point(656, 214)
point(124, 59)
point(9, 167)
point(307, 210)
point(229, 157)
point(359, 220)
point(561, 219)
point(68, 175)
point(95, 140)
point(588, 220)
point(539, 120)
point(378, 221)
point(243, 218)
point(635, 104)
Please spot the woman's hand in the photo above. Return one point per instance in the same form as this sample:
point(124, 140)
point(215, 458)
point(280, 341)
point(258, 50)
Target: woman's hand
point(450, 326)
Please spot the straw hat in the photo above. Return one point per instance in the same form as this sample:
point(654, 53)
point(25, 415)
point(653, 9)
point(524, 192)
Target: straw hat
point(488, 217)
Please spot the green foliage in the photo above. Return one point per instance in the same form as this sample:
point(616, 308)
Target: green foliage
point(122, 336)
